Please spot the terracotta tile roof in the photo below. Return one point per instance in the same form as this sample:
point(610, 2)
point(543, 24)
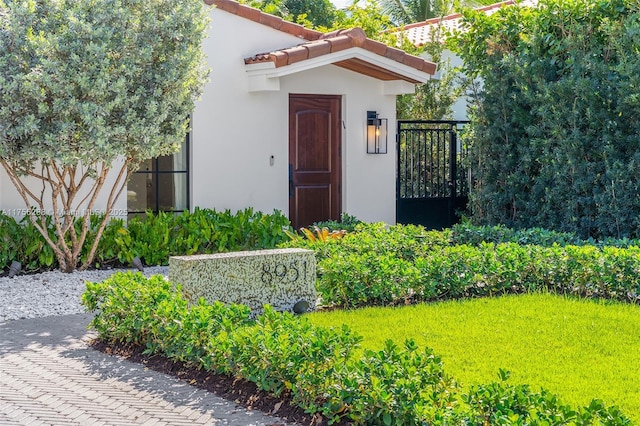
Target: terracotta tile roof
point(337, 41)
point(421, 32)
point(316, 44)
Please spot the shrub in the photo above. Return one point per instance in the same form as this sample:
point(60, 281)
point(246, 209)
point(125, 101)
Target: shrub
point(316, 367)
point(21, 241)
point(401, 264)
point(501, 403)
point(466, 233)
point(155, 237)
point(152, 237)
point(554, 130)
point(347, 223)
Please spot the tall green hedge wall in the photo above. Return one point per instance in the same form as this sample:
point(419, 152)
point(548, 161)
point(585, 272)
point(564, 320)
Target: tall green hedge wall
point(555, 126)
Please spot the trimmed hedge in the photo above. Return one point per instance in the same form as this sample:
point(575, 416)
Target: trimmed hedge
point(400, 264)
point(354, 280)
point(316, 367)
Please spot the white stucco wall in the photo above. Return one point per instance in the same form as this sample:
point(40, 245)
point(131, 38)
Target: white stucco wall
point(235, 132)
point(460, 106)
point(12, 204)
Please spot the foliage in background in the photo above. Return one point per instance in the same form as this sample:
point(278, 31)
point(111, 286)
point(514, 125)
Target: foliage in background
point(310, 13)
point(467, 233)
point(555, 130)
point(434, 99)
point(347, 223)
point(314, 366)
point(87, 91)
point(152, 238)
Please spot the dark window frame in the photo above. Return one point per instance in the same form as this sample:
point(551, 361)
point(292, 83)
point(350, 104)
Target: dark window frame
point(155, 173)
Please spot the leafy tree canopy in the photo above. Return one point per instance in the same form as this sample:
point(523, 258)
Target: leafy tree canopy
point(404, 12)
point(311, 13)
point(85, 82)
point(555, 124)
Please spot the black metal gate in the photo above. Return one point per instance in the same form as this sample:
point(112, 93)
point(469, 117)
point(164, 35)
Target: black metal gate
point(432, 181)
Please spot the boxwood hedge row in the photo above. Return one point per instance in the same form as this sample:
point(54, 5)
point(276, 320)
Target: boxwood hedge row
point(380, 265)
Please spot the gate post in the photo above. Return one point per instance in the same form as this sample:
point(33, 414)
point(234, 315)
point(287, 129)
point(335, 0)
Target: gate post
point(453, 170)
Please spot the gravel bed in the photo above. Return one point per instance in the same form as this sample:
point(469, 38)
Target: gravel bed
point(51, 293)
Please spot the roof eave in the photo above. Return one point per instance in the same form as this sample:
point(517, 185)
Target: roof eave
point(263, 76)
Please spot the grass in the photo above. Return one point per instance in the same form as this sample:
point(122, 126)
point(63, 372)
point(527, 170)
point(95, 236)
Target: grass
point(578, 349)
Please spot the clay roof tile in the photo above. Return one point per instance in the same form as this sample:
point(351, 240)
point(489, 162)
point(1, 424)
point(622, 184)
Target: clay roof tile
point(297, 54)
point(279, 58)
point(375, 47)
point(339, 43)
point(318, 48)
point(271, 20)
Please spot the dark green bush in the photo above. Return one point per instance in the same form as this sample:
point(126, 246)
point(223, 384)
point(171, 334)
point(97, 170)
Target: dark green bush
point(347, 222)
point(155, 237)
point(315, 367)
point(466, 233)
point(554, 130)
point(501, 403)
point(21, 241)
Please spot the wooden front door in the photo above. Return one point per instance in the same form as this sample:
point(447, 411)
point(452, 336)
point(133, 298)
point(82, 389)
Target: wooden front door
point(314, 159)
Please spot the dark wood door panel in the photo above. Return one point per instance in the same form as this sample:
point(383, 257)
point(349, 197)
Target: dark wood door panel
point(314, 203)
point(314, 157)
point(312, 153)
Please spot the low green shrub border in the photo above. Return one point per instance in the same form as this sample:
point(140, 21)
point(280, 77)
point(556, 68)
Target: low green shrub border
point(380, 265)
point(347, 223)
point(151, 237)
point(316, 367)
point(466, 233)
point(352, 280)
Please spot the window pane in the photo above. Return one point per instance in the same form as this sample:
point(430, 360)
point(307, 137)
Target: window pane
point(176, 162)
point(172, 191)
point(161, 183)
point(180, 159)
point(180, 191)
point(146, 165)
point(140, 192)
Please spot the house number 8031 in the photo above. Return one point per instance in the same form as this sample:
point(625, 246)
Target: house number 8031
point(283, 272)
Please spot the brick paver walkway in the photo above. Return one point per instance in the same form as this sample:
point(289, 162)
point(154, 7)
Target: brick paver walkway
point(49, 376)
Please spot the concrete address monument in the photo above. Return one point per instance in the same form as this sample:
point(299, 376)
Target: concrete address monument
point(282, 278)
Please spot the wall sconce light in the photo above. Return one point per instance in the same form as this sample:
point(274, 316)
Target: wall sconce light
point(377, 130)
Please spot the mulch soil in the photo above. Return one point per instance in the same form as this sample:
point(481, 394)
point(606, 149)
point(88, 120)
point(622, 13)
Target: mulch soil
point(240, 391)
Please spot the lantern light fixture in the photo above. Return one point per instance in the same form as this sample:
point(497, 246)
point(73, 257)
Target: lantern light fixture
point(377, 131)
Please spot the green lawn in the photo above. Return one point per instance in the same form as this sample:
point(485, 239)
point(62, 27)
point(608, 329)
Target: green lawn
point(578, 349)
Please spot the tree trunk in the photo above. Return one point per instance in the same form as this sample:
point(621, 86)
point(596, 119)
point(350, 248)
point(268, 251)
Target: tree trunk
point(64, 184)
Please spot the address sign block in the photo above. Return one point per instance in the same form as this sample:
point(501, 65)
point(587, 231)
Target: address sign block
point(280, 278)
